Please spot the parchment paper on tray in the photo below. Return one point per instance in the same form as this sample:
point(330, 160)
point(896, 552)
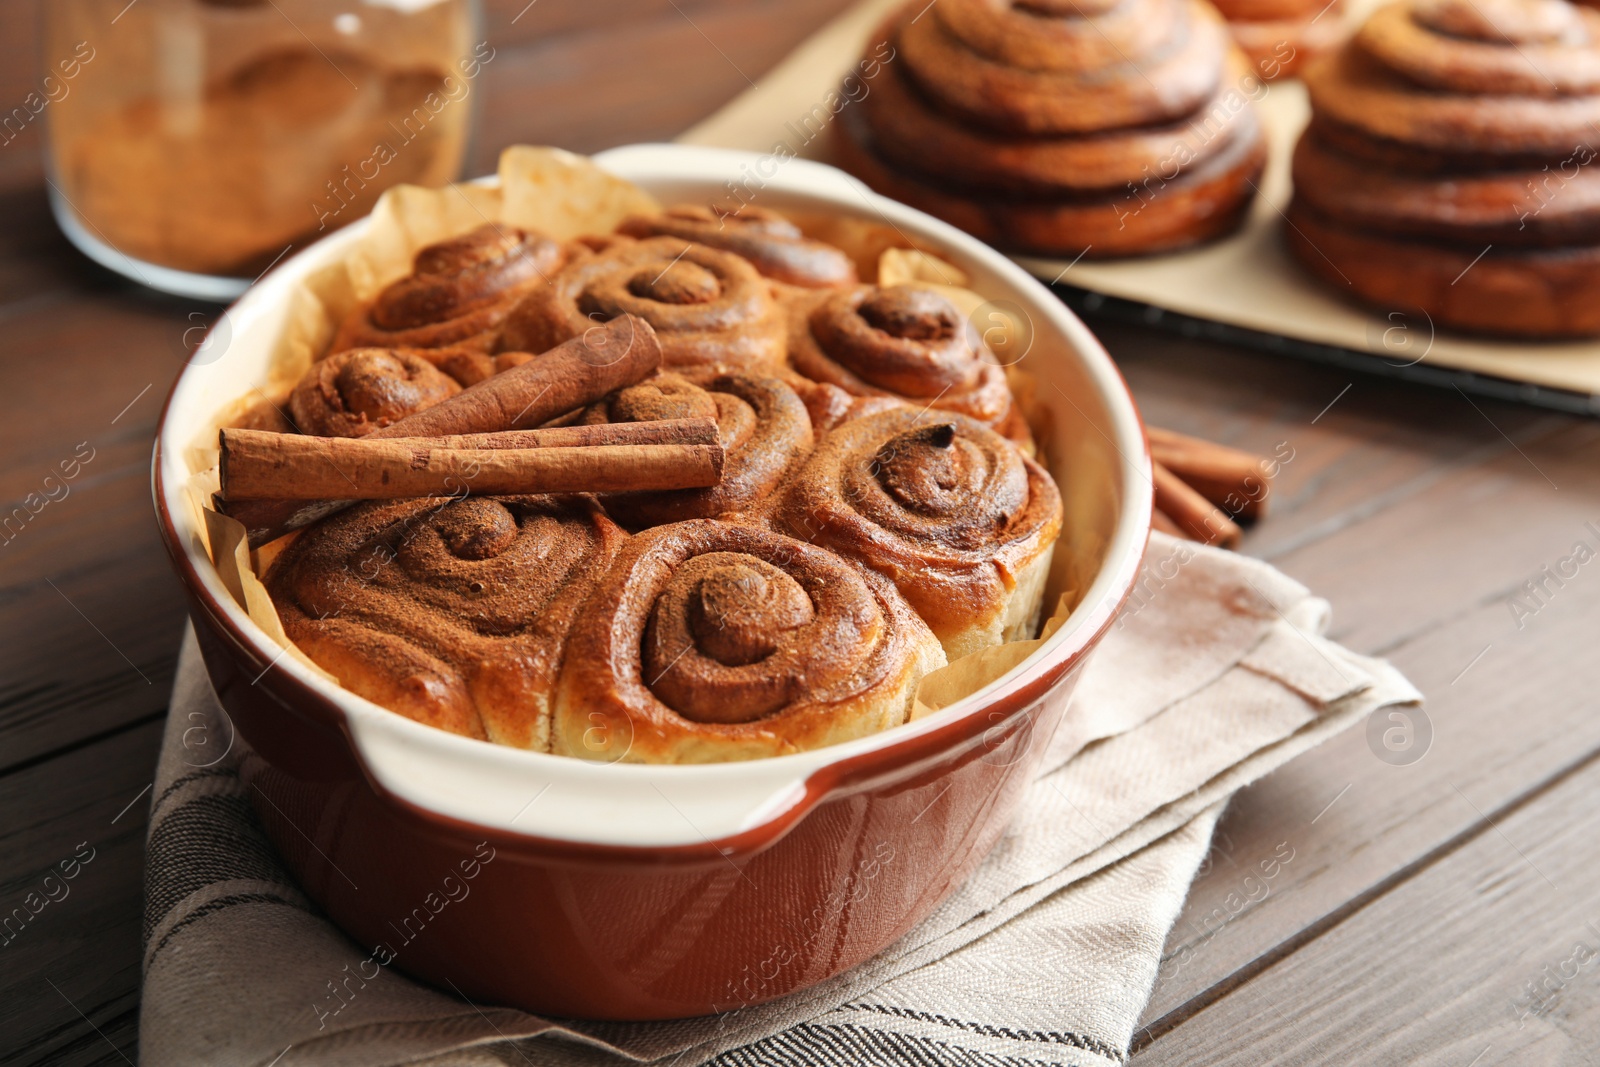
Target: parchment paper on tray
point(1247, 280)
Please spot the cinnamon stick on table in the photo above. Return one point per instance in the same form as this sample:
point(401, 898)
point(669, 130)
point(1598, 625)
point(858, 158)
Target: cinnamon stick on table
point(1160, 520)
point(1232, 479)
point(618, 457)
point(576, 372)
point(1196, 516)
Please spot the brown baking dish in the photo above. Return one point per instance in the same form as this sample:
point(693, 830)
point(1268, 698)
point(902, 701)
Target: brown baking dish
point(630, 891)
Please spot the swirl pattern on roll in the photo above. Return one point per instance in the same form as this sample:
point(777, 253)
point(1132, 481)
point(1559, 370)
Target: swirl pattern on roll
point(955, 515)
point(710, 641)
point(458, 293)
point(763, 425)
point(774, 245)
point(453, 612)
point(906, 342)
point(707, 306)
point(1447, 167)
point(352, 393)
point(1115, 128)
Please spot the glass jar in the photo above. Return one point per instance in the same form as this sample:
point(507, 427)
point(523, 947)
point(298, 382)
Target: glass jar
point(193, 143)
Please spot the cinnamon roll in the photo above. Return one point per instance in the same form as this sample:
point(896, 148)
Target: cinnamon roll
point(763, 424)
point(773, 244)
point(352, 393)
point(906, 342)
point(453, 612)
point(457, 295)
point(1447, 166)
point(1063, 127)
point(956, 516)
point(1279, 37)
point(708, 306)
point(709, 641)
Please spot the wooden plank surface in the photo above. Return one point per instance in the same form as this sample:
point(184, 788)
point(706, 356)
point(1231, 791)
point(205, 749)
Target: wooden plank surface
point(1425, 522)
point(1491, 955)
point(69, 987)
point(1417, 512)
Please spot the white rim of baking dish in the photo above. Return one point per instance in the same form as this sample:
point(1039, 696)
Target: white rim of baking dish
point(509, 791)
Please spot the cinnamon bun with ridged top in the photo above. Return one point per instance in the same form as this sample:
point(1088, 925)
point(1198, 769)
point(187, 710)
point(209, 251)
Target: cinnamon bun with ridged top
point(1062, 127)
point(352, 393)
point(773, 245)
point(955, 515)
point(452, 612)
point(764, 428)
point(1280, 37)
point(457, 295)
point(1448, 166)
point(710, 641)
point(707, 306)
point(905, 342)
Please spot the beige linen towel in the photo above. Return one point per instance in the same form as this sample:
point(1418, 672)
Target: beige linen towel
point(1214, 674)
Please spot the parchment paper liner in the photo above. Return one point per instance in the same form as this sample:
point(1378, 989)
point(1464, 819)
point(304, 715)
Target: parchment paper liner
point(562, 195)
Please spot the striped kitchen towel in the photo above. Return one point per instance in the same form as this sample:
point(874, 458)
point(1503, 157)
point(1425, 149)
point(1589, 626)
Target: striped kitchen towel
point(1215, 673)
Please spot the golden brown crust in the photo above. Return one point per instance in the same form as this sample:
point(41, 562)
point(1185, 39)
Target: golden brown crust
point(1516, 292)
point(352, 393)
point(711, 641)
point(1045, 127)
point(1159, 215)
point(764, 427)
point(773, 245)
point(707, 306)
point(1280, 47)
point(1274, 10)
point(911, 133)
point(1502, 47)
point(1522, 206)
point(1446, 167)
point(457, 295)
point(941, 505)
point(1356, 91)
point(1140, 63)
point(906, 342)
point(453, 612)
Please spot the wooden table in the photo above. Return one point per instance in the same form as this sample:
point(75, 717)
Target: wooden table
point(1421, 900)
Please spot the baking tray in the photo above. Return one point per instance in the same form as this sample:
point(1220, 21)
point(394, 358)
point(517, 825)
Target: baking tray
point(1241, 290)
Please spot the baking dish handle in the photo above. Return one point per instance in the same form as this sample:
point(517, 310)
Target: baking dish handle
point(716, 809)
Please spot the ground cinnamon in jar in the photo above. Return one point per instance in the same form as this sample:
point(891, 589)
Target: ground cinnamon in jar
point(223, 183)
point(224, 137)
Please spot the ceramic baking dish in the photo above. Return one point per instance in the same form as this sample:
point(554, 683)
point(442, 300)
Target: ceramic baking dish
point(631, 891)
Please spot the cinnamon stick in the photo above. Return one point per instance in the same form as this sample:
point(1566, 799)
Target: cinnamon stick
point(1232, 479)
point(1196, 516)
point(701, 430)
point(262, 465)
point(1160, 520)
point(577, 372)
point(318, 468)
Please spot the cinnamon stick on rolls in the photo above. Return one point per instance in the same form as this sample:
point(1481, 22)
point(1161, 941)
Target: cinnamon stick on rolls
point(954, 514)
point(272, 466)
point(1448, 167)
point(709, 641)
point(451, 612)
point(905, 342)
point(773, 245)
point(764, 428)
point(707, 306)
point(458, 293)
point(1062, 127)
point(569, 376)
